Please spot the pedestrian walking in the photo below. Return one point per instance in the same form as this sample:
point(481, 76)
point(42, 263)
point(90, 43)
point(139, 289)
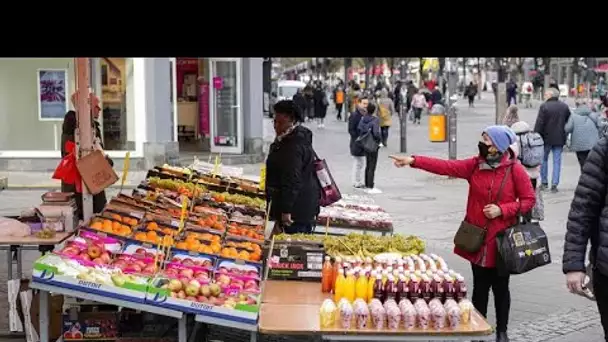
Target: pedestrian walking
point(356, 150)
point(300, 102)
point(512, 116)
point(339, 101)
point(370, 123)
point(411, 91)
point(436, 97)
point(309, 103)
point(291, 183)
point(397, 97)
point(550, 123)
point(418, 104)
point(583, 125)
point(471, 92)
point(385, 109)
point(588, 222)
point(320, 103)
point(527, 89)
point(490, 205)
point(511, 92)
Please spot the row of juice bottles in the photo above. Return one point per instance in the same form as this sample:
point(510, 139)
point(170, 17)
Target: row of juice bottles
point(384, 282)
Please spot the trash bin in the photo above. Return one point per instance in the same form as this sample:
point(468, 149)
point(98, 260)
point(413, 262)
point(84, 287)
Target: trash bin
point(437, 124)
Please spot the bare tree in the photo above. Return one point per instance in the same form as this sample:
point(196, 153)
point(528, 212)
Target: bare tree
point(547, 71)
point(518, 63)
point(391, 66)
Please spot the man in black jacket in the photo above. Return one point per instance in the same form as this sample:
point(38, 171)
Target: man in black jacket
point(588, 221)
point(292, 189)
point(550, 122)
point(356, 150)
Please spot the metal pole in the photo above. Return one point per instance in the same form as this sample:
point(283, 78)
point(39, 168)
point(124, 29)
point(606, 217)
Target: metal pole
point(403, 128)
point(501, 94)
point(85, 126)
point(452, 133)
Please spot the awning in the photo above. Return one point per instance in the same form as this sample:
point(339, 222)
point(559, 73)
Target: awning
point(602, 68)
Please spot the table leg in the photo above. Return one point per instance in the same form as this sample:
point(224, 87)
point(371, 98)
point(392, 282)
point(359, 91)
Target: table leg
point(254, 336)
point(182, 329)
point(44, 316)
point(9, 265)
point(19, 262)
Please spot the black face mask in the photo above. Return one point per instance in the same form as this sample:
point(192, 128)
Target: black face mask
point(484, 150)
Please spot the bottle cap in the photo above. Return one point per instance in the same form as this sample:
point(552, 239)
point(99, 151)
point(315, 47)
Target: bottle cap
point(338, 259)
point(327, 258)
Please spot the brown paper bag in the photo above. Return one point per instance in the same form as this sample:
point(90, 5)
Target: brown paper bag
point(96, 172)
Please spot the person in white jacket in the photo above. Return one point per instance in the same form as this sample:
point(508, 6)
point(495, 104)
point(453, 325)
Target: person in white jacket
point(537, 213)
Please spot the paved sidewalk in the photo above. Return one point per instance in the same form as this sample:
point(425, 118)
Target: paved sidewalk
point(432, 207)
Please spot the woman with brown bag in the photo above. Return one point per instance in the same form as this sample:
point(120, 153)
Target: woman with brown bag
point(499, 191)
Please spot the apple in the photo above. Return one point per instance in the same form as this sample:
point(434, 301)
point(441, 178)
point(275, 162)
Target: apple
point(173, 294)
point(198, 273)
point(251, 284)
point(181, 294)
point(191, 298)
point(192, 290)
point(71, 251)
point(205, 290)
point(134, 268)
point(121, 264)
point(140, 251)
point(94, 251)
point(207, 263)
point(150, 255)
point(105, 256)
point(140, 263)
point(215, 290)
point(223, 279)
point(202, 299)
point(99, 261)
point(85, 257)
point(149, 269)
point(187, 262)
point(185, 281)
point(222, 270)
point(118, 280)
point(175, 285)
point(203, 279)
point(187, 273)
point(194, 282)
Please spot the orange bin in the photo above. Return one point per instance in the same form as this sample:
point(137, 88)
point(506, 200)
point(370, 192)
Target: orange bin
point(437, 128)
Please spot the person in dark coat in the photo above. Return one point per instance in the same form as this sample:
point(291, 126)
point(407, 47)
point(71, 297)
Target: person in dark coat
point(300, 103)
point(436, 97)
point(292, 190)
point(411, 91)
point(550, 122)
point(511, 92)
point(588, 222)
point(321, 103)
point(355, 149)
point(370, 123)
point(68, 131)
point(470, 93)
point(397, 96)
point(309, 103)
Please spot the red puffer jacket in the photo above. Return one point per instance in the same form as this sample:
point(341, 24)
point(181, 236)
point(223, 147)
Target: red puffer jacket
point(484, 183)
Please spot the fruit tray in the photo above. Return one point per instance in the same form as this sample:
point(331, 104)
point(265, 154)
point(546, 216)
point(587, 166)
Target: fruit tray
point(72, 274)
point(241, 250)
point(203, 299)
point(109, 226)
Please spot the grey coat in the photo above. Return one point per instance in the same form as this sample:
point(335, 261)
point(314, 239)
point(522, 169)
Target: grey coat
point(583, 125)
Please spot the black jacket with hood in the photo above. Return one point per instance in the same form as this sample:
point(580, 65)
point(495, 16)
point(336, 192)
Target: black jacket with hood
point(551, 120)
point(291, 183)
point(588, 217)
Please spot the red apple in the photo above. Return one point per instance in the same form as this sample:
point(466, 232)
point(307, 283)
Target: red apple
point(140, 251)
point(181, 294)
point(99, 261)
point(171, 272)
point(94, 251)
point(85, 257)
point(149, 269)
point(105, 256)
point(223, 279)
point(223, 270)
point(121, 264)
point(188, 273)
point(192, 299)
point(185, 281)
point(187, 262)
point(202, 299)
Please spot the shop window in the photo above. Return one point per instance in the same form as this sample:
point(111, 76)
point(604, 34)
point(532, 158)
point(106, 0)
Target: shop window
point(118, 116)
point(34, 97)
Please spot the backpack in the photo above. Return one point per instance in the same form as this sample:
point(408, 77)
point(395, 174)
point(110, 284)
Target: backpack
point(531, 149)
point(383, 112)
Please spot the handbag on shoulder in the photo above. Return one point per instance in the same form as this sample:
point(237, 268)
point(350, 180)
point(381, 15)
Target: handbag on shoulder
point(368, 142)
point(522, 248)
point(470, 237)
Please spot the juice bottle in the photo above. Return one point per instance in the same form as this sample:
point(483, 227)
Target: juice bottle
point(326, 276)
point(339, 286)
point(403, 289)
point(390, 288)
point(384, 277)
point(461, 288)
point(414, 286)
point(361, 286)
point(438, 290)
point(337, 266)
point(449, 288)
point(349, 286)
point(426, 288)
point(371, 281)
point(379, 288)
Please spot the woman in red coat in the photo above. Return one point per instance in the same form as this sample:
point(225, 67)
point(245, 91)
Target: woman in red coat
point(485, 208)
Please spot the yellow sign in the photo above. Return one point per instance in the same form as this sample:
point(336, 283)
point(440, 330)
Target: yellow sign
point(182, 218)
point(430, 64)
point(263, 177)
point(216, 166)
point(125, 171)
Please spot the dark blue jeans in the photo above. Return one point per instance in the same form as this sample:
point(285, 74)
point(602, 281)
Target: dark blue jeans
point(299, 227)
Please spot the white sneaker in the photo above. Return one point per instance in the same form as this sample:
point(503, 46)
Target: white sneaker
point(359, 186)
point(381, 145)
point(373, 191)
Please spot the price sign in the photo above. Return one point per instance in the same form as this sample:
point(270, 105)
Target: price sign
point(263, 178)
point(125, 171)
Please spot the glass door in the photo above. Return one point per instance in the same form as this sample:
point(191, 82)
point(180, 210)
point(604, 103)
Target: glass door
point(225, 103)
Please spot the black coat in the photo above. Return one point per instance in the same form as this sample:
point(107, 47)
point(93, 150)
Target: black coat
point(588, 217)
point(291, 182)
point(356, 150)
point(321, 103)
point(550, 122)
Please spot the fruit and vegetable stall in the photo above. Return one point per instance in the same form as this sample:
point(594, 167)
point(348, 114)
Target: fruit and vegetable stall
point(190, 244)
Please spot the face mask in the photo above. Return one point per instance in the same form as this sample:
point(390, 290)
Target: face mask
point(484, 150)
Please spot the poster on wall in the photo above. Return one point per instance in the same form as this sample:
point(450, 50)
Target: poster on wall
point(52, 94)
point(203, 102)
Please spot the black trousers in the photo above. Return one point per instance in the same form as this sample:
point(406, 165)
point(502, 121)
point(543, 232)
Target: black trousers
point(339, 110)
point(582, 156)
point(600, 290)
point(384, 132)
point(485, 279)
point(471, 100)
point(371, 160)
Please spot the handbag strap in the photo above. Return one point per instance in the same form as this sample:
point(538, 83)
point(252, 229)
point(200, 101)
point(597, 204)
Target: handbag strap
point(502, 185)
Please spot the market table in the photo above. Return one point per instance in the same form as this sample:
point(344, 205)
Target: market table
point(295, 313)
point(18, 244)
point(44, 304)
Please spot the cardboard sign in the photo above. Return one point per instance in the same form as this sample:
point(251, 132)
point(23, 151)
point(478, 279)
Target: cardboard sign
point(218, 82)
point(96, 172)
point(295, 261)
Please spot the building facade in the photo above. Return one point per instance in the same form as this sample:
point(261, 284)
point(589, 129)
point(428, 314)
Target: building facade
point(139, 104)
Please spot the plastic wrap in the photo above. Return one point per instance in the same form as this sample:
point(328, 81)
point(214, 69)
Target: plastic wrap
point(378, 314)
point(453, 313)
point(408, 314)
point(328, 313)
point(465, 311)
point(438, 316)
point(361, 314)
point(346, 315)
point(393, 316)
point(423, 313)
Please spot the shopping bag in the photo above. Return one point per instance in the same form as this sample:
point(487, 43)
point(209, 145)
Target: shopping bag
point(330, 193)
point(67, 171)
point(96, 172)
point(368, 142)
point(522, 248)
point(538, 211)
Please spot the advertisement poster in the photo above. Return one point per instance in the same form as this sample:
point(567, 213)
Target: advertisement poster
point(218, 83)
point(186, 74)
point(203, 106)
point(52, 94)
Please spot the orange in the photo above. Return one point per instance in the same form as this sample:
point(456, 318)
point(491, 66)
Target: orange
point(107, 226)
point(116, 217)
point(181, 245)
point(215, 247)
point(133, 221)
point(255, 257)
point(215, 238)
point(243, 255)
point(116, 225)
point(96, 225)
point(205, 249)
point(126, 219)
point(141, 236)
point(152, 226)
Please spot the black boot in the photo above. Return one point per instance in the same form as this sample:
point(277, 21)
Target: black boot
point(502, 337)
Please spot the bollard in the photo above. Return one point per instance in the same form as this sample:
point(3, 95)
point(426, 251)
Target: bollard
point(452, 133)
point(403, 129)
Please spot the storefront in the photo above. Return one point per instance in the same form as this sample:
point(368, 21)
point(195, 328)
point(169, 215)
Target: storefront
point(147, 105)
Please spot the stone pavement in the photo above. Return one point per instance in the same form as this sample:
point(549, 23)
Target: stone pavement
point(432, 207)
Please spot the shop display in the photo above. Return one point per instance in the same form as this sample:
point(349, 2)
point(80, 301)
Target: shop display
point(339, 216)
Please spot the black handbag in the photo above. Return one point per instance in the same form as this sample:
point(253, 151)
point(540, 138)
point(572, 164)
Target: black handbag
point(368, 142)
point(470, 237)
point(522, 248)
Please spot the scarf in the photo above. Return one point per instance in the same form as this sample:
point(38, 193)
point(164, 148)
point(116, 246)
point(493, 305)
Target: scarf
point(286, 133)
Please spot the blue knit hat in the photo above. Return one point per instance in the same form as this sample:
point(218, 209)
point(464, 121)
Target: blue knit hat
point(502, 137)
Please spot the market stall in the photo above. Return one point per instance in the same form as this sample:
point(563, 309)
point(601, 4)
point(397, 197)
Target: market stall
point(189, 244)
point(354, 212)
